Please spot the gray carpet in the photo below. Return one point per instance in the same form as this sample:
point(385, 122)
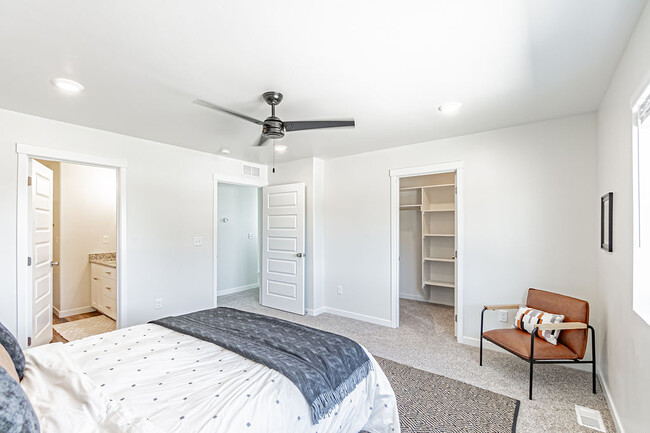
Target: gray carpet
point(425, 340)
point(430, 403)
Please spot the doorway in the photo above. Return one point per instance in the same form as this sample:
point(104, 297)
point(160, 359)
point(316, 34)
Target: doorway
point(238, 238)
point(427, 238)
point(71, 227)
point(280, 214)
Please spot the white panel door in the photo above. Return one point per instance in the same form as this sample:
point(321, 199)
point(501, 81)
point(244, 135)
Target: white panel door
point(283, 247)
point(42, 219)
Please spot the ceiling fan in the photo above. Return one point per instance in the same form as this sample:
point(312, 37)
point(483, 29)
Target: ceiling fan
point(272, 127)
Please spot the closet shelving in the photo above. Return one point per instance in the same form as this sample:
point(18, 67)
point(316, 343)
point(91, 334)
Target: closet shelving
point(435, 199)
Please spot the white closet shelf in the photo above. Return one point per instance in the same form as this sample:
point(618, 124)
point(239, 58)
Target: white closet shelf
point(439, 283)
point(438, 259)
point(438, 235)
point(444, 185)
point(439, 210)
point(410, 206)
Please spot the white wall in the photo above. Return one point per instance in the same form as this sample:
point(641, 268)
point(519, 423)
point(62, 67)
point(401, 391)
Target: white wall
point(531, 217)
point(87, 212)
point(311, 172)
point(623, 336)
point(238, 260)
point(169, 199)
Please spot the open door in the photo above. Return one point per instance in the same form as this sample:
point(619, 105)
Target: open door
point(283, 247)
point(41, 232)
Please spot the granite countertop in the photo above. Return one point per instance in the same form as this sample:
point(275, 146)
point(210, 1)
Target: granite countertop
point(105, 259)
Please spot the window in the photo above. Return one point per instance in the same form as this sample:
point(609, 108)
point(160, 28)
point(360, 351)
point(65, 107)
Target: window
point(641, 209)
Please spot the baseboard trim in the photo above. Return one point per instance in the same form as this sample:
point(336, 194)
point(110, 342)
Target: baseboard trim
point(413, 297)
point(315, 312)
point(66, 313)
point(358, 316)
point(610, 402)
point(233, 290)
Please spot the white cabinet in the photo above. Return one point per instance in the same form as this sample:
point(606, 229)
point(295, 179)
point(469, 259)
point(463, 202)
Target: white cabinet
point(103, 286)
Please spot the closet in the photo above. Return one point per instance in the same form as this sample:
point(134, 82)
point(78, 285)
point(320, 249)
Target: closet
point(428, 238)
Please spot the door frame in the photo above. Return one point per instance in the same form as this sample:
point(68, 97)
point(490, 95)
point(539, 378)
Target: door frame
point(23, 249)
point(218, 178)
point(395, 176)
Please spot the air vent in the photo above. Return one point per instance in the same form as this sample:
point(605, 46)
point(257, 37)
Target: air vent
point(590, 418)
point(250, 170)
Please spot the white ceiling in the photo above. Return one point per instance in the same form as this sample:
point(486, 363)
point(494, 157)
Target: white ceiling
point(388, 64)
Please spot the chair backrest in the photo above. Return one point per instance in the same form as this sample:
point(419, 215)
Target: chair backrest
point(573, 309)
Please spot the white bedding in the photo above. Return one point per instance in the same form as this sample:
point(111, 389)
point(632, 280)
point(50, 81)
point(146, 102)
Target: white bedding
point(151, 379)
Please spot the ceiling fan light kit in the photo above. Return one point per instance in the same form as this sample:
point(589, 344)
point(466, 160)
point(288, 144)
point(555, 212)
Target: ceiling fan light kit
point(273, 128)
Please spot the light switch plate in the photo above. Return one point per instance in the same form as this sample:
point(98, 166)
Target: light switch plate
point(339, 289)
point(198, 241)
point(105, 239)
point(503, 316)
point(158, 305)
point(251, 235)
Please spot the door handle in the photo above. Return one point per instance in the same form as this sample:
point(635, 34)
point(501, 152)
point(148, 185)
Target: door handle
point(301, 254)
point(54, 264)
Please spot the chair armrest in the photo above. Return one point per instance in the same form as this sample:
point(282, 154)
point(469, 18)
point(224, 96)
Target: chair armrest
point(563, 325)
point(502, 307)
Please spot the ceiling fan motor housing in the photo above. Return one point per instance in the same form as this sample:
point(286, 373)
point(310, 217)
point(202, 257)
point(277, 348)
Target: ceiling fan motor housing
point(273, 128)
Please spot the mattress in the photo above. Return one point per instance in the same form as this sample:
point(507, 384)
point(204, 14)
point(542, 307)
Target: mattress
point(151, 379)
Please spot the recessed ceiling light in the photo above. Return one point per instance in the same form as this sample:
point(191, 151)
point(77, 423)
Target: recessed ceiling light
point(280, 147)
point(450, 107)
point(225, 150)
point(67, 85)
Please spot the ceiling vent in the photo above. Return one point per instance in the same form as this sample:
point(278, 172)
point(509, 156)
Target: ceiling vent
point(250, 170)
point(590, 418)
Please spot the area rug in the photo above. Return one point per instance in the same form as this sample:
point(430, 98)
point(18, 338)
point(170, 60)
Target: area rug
point(79, 329)
point(429, 403)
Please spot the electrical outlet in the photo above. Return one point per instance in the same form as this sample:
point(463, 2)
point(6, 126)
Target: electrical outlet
point(158, 303)
point(251, 235)
point(339, 289)
point(503, 316)
point(198, 241)
point(105, 239)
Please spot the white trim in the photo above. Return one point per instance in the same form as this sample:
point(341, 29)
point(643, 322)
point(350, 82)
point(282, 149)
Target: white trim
point(225, 178)
point(395, 175)
point(238, 289)
point(610, 402)
point(413, 297)
point(23, 272)
point(66, 313)
point(357, 316)
point(315, 312)
point(65, 156)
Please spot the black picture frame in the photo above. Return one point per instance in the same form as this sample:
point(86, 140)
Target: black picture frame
point(606, 221)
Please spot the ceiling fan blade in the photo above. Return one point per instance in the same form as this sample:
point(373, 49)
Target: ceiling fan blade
point(227, 111)
point(301, 125)
point(261, 141)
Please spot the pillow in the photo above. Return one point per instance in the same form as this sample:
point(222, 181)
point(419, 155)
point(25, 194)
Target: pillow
point(527, 318)
point(8, 364)
point(9, 342)
point(16, 412)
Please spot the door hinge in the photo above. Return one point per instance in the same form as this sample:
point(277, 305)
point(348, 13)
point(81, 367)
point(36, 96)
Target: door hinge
point(29, 341)
point(29, 181)
point(29, 261)
point(455, 317)
point(455, 190)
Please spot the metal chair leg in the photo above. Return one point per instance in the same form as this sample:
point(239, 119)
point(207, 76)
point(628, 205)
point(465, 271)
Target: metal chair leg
point(480, 360)
point(593, 357)
point(532, 362)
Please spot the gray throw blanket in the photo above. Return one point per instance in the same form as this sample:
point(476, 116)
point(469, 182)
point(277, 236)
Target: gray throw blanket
point(325, 367)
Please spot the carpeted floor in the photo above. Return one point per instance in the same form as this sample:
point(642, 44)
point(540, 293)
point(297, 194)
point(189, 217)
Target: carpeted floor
point(425, 340)
point(430, 403)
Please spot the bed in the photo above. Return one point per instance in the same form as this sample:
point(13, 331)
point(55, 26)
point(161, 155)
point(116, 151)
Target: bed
point(149, 378)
